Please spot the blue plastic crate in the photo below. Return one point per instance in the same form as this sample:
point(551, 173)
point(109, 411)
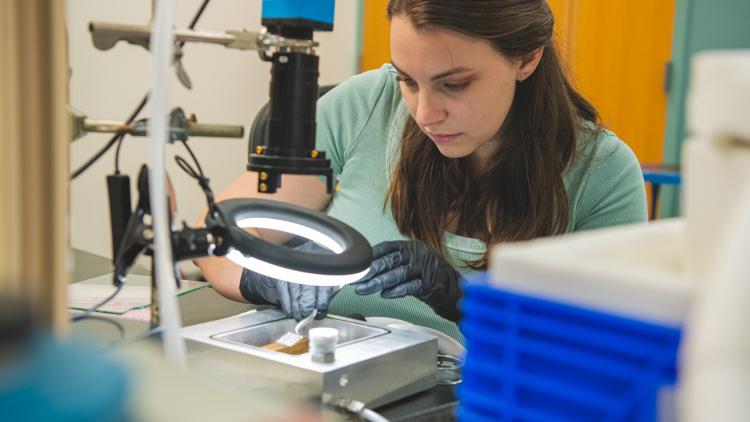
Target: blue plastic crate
point(531, 359)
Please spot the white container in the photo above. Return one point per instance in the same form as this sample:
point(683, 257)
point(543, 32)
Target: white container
point(635, 271)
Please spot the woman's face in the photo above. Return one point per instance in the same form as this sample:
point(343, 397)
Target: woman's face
point(457, 88)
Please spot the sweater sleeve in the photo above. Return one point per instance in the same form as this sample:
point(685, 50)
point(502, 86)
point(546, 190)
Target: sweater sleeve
point(614, 191)
point(343, 114)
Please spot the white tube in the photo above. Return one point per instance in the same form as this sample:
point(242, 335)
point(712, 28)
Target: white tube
point(372, 416)
point(162, 41)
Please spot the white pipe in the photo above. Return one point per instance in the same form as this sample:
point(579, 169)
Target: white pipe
point(162, 42)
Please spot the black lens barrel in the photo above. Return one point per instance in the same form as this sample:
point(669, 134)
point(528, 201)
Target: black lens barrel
point(290, 146)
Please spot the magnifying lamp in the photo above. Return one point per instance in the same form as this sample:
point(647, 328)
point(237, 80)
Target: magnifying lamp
point(224, 235)
point(352, 251)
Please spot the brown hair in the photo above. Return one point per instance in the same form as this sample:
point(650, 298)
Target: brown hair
point(521, 195)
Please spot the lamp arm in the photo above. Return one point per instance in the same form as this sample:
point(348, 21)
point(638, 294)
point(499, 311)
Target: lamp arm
point(187, 243)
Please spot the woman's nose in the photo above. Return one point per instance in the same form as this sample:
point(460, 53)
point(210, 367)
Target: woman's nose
point(430, 111)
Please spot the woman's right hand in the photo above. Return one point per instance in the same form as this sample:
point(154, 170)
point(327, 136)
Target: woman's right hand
point(296, 300)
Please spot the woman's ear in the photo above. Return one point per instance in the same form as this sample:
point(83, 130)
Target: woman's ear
point(528, 63)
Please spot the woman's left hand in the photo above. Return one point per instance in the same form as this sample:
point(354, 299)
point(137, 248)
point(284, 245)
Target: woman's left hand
point(409, 267)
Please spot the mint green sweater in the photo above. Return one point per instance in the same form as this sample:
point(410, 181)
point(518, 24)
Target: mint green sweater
point(359, 127)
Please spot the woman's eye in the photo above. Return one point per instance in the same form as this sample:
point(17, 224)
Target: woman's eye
point(408, 81)
point(456, 86)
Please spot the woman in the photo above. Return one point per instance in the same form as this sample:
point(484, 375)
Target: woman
point(471, 137)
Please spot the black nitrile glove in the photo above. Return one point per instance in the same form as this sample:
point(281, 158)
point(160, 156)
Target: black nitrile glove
point(402, 268)
point(296, 300)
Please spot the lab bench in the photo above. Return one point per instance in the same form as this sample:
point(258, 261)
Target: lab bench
point(205, 304)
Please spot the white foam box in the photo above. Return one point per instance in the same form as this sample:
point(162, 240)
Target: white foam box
point(634, 271)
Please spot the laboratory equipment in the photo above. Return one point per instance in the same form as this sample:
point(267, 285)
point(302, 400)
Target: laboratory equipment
point(323, 342)
point(298, 341)
point(581, 328)
point(287, 42)
point(358, 361)
point(715, 358)
point(634, 322)
point(449, 369)
point(181, 127)
point(371, 363)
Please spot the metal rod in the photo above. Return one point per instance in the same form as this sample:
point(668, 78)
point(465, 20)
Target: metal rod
point(193, 129)
point(211, 37)
point(105, 126)
point(106, 35)
point(215, 131)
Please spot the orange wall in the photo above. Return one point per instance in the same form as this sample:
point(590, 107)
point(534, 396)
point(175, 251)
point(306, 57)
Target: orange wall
point(616, 50)
point(375, 46)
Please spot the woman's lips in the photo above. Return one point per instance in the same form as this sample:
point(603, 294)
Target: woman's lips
point(442, 138)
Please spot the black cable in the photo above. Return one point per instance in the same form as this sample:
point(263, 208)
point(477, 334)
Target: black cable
point(130, 120)
point(117, 138)
point(117, 154)
point(195, 159)
point(197, 16)
point(111, 321)
point(93, 159)
point(90, 310)
point(197, 175)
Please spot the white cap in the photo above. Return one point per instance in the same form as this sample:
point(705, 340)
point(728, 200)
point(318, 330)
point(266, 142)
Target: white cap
point(323, 344)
